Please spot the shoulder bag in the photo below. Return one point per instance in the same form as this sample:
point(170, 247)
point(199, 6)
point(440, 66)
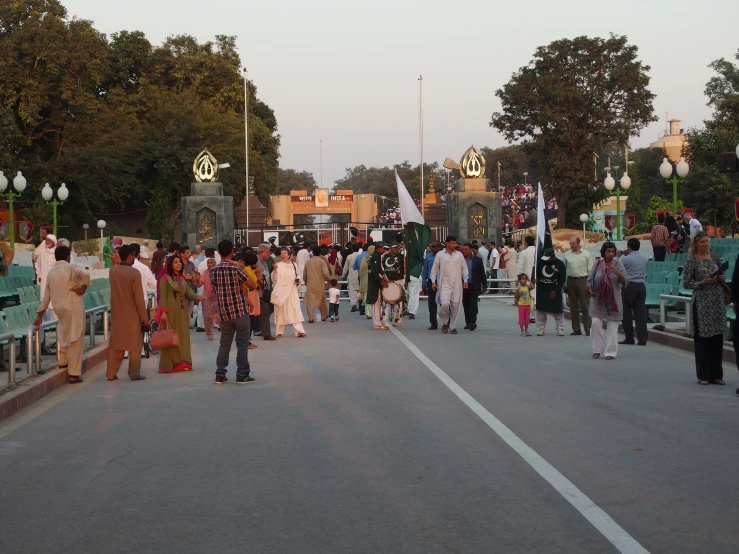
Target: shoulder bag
point(165, 337)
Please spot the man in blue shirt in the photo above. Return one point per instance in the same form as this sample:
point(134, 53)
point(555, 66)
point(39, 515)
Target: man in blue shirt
point(634, 293)
point(428, 263)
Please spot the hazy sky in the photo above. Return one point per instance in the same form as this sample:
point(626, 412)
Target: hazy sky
point(347, 71)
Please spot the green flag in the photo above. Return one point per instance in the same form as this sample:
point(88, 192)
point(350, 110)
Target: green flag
point(417, 233)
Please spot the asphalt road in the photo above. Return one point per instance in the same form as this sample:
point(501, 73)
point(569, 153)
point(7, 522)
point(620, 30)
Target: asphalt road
point(348, 442)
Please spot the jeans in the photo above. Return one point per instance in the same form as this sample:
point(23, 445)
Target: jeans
point(239, 327)
point(333, 310)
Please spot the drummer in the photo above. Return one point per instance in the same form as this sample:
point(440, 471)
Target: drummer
point(376, 282)
point(393, 264)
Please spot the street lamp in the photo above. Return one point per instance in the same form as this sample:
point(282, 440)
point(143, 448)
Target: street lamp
point(682, 168)
point(624, 184)
point(85, 227)
point(525, 175)
point(48, 194)
point(19, 184)
point(584, 219)
point(101, 226)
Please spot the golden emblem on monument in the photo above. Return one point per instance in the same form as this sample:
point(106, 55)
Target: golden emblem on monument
point(477, 220)
point(205, 167)
point(205, 227)
point(472, 164)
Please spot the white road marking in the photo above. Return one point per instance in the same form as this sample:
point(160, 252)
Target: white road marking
point(611, 530)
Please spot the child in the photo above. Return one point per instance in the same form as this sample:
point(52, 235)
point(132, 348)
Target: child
point(333, 300)
point(523, 300)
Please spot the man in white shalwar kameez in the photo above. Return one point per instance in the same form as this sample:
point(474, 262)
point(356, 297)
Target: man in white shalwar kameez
point(64, 286)
point(449, 276)
point(45, 262)
point(353, 276)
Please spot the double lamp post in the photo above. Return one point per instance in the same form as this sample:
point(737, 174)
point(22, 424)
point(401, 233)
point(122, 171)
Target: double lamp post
point(624, 184)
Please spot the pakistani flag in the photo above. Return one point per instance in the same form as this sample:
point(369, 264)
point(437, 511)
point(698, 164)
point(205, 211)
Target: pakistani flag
point(417, 233)
point(543, 234)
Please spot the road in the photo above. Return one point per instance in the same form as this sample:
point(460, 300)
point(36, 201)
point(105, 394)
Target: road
point(354, 440)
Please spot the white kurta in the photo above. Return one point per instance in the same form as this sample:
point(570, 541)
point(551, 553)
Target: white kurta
point(449, 272)
point(353, 278)
point(284, 288)
point(301, 258)
point(69, 308)
point(44, 263)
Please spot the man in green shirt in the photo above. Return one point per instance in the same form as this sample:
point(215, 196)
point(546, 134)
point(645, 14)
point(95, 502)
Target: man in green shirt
point(578, 262)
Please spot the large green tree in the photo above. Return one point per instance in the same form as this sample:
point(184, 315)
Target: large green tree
point(381, 180)
point(119, 120)
point(290, 179)
point(574, 98)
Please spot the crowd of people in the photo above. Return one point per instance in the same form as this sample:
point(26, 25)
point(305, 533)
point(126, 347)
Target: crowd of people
point(236, 291)
point(518, 207)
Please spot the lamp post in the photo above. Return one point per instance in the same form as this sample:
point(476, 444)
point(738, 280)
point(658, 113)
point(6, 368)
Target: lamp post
point(101, 226)
point(85, 227)
point(584, 219)
point(48, 194)
point(682, 168)
point(624, 184)
point(19, 184)
point(525, 176)
point(246, 146)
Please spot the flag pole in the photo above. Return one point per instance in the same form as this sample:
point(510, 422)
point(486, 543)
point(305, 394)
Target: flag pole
point(420, 134)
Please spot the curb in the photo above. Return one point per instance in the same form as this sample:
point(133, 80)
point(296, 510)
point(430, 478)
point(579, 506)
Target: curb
point(38, 386)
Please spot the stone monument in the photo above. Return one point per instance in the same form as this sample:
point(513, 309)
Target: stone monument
point(207, 215)
point(471, 211)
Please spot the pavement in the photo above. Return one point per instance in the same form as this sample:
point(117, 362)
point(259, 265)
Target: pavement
point(354, 440)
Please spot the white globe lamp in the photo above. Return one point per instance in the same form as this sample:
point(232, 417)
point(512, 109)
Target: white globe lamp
point(682, 168)
point(63, 192)
point(47, 193)
point(665, 169)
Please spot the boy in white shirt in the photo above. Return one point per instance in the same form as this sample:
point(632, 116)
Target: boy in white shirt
point(333, 300)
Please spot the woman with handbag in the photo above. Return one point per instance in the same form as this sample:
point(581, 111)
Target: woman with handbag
point(702, 273)
point(173, 317)
point(285, 288)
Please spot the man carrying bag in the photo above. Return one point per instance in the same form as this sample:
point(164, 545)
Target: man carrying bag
point(265, 292)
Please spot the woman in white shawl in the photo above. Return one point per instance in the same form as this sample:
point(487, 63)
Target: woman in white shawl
point(45, 262)
point(286, 284)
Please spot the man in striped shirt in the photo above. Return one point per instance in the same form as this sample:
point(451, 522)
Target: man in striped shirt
point(660, 236)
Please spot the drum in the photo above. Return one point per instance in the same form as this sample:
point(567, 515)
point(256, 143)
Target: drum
point(393, 293)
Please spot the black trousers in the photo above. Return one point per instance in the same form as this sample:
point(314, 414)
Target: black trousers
point(659, 253)
point(635, 312)
point(709, 353)
point(265, 308)
point(469, 303)
point(736, 343)
point(494, 275)
point(431, 303)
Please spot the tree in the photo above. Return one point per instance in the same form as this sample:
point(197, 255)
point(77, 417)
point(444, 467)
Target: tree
point(575, 98)
point(514, 160)
point(381, 180)
point(710, 194)
point(289, 179)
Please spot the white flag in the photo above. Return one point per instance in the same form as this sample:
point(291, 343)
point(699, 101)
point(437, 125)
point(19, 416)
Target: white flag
point(408, 211)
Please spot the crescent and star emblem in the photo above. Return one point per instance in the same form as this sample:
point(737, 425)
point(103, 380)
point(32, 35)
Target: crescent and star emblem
point(550, 272)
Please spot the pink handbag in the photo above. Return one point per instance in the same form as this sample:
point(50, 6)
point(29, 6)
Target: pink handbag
point(164, 338)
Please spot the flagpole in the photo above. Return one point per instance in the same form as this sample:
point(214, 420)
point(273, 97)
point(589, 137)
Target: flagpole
point(321, 161)
point(420, 134)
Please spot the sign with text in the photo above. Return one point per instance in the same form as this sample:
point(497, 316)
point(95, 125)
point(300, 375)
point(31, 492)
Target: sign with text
point(321, 201)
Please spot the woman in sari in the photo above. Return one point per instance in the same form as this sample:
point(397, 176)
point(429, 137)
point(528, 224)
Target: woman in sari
point(285, 287)
point(174, 293)
point(606, 306)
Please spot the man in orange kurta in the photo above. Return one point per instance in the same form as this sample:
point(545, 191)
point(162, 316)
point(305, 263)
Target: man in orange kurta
point(127, 314)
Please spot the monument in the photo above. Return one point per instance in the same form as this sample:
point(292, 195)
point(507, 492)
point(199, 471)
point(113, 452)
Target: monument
point(207, 215)
point(471, 211)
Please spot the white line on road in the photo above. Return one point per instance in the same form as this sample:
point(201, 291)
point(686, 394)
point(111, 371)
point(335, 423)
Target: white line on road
point(611, 530)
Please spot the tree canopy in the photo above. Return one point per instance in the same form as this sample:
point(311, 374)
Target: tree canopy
point(290, 179)
point(119, 120)
point(574, 98)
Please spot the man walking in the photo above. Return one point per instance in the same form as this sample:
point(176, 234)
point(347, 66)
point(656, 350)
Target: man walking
point(660, 236)
point(128, 315)
point(352, 275)
point(65, 285)
point(634, 293)
point(393, 265)
point(315, 275)
point(493, 263)
point(375, 283)
point(428, 264)
point(477, 285)
point(550, 279)
point(264, 261)
point(228, 279)
point(578, 263)
point(157, 259)
point(449, 277)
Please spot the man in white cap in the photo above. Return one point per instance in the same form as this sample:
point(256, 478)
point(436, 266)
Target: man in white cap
point(45, 261)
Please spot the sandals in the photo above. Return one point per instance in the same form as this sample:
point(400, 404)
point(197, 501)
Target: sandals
point(596, 356)
point(114, 378)
point(703, 383)
point(719, 382)
point(445, 328)
point(252, 346)
point(453, 331)
point(300, 335)
point(609, 357)
point(73, 379)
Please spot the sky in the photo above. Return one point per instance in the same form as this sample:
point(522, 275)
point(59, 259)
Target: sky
point(346, 72)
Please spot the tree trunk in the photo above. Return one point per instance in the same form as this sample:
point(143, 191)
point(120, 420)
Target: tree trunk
point(562, 196)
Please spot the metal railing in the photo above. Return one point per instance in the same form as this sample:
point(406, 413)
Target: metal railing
point(33, 342)
point(688, 309)
point(10, 337)
point(507, 286)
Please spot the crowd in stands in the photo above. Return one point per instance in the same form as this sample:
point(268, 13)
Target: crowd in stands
point(519, 206)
